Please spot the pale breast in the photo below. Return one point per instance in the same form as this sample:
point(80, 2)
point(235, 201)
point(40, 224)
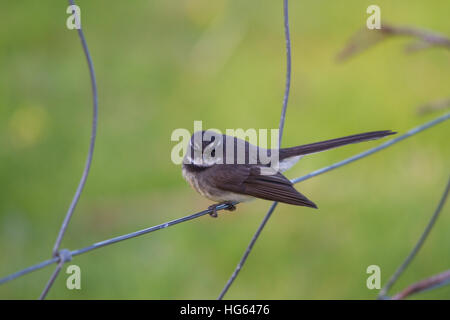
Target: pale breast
point(212, 192)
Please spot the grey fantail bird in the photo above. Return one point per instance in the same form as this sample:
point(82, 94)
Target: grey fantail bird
point(227, 169)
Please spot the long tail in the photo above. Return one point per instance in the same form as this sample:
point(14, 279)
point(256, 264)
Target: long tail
point(330, 144)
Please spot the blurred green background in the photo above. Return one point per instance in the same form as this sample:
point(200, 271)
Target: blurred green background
point(163, 64)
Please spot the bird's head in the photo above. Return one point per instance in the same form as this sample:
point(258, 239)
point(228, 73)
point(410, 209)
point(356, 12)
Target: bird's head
point(205, 149)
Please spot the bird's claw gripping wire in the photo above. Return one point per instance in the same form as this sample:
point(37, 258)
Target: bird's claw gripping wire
point(230, 207)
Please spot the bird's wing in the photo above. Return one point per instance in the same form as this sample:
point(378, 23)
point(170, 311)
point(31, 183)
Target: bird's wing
point(247, 179)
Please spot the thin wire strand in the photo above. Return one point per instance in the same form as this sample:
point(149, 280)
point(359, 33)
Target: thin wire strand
point(418, 245)
point(147, 230)
point(288, 70)
point(247, 251)
point(410, 133)
point(87, 167)
point(281, 129)
point(28, 270)
point(51, 280)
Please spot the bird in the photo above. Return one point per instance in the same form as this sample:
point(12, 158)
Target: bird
point(229, 170)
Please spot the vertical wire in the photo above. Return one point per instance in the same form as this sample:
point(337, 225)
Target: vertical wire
point(281, 127)
point(51, 280)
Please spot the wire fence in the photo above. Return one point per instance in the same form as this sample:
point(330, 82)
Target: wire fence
point(62, 256)
point(427, 284)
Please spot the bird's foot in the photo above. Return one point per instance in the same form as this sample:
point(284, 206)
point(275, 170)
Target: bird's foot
point(213, 207)
point(213, 213)
point(231, 206)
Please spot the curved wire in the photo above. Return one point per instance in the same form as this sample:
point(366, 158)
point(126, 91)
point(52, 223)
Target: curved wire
point(415, 250)
point(87, 167)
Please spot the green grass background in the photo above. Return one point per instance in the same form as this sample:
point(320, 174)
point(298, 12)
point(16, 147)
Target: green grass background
point(163, 64)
